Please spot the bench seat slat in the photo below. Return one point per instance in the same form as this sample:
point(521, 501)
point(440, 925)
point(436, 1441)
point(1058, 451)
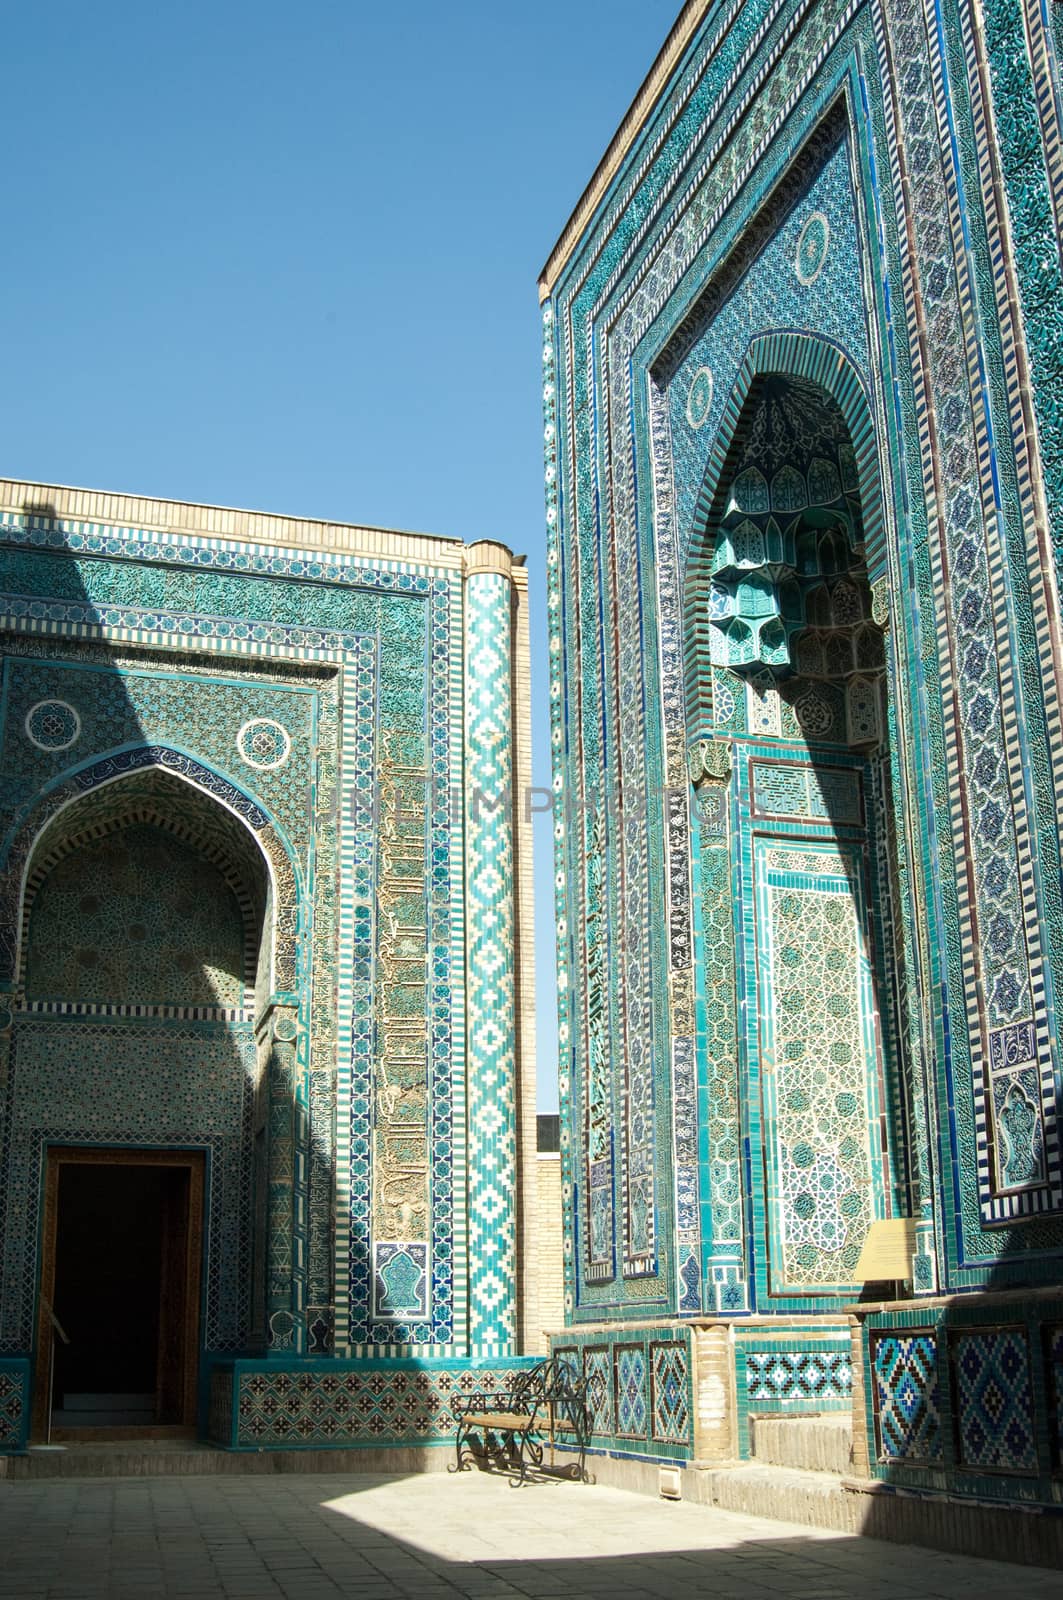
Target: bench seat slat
point(498, 1419)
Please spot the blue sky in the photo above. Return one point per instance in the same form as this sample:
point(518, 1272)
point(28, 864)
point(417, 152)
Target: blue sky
point(285, 257)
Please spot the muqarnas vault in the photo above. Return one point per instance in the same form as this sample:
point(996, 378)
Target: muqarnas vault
point(803, 361)
point(268, 1084)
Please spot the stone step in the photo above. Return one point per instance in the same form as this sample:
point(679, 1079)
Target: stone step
point(789, 1494)
point(151, 1458)
point(848, 1505)
point(821, 1443)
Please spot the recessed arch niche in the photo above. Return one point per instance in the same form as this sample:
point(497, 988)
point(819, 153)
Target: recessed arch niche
point(791, 802)
point(144, 971)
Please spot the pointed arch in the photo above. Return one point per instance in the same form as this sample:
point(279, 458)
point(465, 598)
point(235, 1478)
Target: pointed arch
point(786, 355)
point(106, 793)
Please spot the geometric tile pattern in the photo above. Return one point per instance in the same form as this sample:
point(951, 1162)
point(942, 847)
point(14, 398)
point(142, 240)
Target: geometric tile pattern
point(815, 1027)
point(1054, 1350)
point(904, 1368)
point(191, 949)
point(994, 1403)
point(798, 1375)
point(14, 1404)
point(638, 1389)
point(115, 709)
point(491, 1001)
point(273, 734)
point(669, 1381)
point(986, 732)
point(370, 1403)
point(652, 302)
point(139, 1083)
point(597, 1371)
point(629, 1376)
point(721, 1050)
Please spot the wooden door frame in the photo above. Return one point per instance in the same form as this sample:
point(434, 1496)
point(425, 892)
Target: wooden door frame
point(55, 1158)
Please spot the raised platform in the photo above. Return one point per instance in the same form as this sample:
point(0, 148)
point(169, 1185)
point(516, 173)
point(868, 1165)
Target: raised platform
point(801, 1474)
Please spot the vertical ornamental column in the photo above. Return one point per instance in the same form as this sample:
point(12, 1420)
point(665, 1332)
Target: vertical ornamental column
point(491, 1004)
point(709, 762)
point(283, 1125)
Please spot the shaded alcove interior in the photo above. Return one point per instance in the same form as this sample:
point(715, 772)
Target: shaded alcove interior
point(145, 899)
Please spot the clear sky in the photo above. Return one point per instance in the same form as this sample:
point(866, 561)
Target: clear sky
point(285, 257)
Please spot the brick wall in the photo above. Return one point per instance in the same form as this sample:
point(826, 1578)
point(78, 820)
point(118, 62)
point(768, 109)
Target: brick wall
point(545, 1309)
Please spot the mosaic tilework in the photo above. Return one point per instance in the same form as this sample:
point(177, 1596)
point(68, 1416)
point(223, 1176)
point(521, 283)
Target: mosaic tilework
point(598, 1371)
point(14, 1404)
point(720, 1104)
point(945, 1394)
point(798, 1375)
point(492, 1037)
point(995, 1420)
point(140, 1084)
point(1053, 1341)
point(173, 790)
point(907, 1404)
point(646, 330)
point(274, 723)
point(401, 1117)
point(137, 918)
point(815, 1014)
point(369, 1404)
point(118, 709)
point(666, 623)
point(821, 793)
point(724, 237)
point(638, 1389)
point(629, 1390)
point(670, 1419)
point(980, 744)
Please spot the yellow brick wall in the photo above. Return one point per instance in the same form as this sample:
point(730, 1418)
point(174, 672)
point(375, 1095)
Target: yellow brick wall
point(544, 1312)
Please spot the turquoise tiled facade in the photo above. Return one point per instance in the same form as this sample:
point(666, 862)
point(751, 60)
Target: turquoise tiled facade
point(802, 377)
point(244, 787)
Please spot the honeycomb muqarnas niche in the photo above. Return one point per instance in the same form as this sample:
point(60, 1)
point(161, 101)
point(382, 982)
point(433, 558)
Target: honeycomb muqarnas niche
point(249, 1130)
point(802, 445)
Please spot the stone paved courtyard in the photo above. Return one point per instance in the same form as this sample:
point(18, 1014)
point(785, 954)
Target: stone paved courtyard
point(375, 1538)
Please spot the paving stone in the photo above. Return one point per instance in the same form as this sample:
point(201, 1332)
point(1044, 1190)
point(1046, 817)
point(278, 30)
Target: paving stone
point(420, 1538)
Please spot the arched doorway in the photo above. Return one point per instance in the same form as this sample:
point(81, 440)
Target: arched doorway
point(138, 1110)
point(787, 665)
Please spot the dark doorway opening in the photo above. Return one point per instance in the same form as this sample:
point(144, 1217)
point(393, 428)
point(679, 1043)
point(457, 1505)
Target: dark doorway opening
point(120, 1293)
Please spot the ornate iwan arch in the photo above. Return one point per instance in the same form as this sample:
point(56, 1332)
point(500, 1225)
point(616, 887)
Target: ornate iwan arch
point(810, 360)
point(95, 795)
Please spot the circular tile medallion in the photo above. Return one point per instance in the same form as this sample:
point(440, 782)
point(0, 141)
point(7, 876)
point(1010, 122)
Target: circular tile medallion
point(263, 744)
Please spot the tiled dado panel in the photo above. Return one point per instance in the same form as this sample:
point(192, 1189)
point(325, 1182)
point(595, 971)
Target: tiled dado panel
point(1053, 1336)
point(639, 1389)
point(14, 1404)
point(316, 1404)
point(793, 1370)
point(968, 1400)
point(907, 1396)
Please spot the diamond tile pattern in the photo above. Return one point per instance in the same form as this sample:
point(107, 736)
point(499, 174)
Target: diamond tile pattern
point(629, 1371)
point(991, 1373)
point(668, 1380)
point(906, 1397)
point(798, 1375)
point(491, 1004)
